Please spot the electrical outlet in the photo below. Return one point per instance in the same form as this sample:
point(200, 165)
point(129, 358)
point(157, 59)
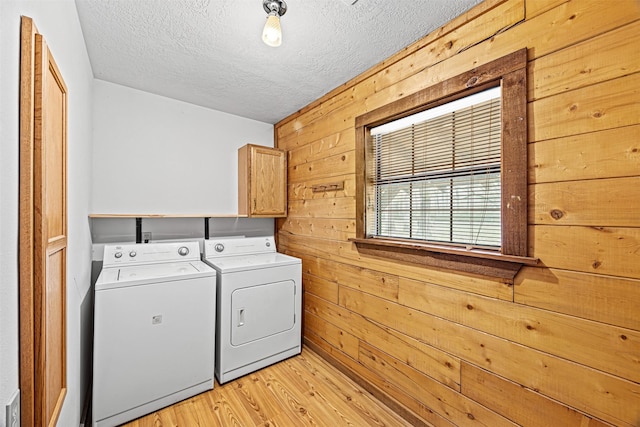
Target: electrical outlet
point(13, 410)
point(146, 236)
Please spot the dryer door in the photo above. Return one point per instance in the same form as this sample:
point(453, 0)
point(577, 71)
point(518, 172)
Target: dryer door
point(262, 311)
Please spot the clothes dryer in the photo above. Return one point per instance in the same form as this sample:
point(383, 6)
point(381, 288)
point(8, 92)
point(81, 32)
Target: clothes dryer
point(154, 326)
point(258, 307)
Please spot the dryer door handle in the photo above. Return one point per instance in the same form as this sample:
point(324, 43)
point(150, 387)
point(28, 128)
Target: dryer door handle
point(241, 317)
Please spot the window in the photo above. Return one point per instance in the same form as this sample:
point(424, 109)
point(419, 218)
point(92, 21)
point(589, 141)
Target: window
point(442, 173)
point(435, 175)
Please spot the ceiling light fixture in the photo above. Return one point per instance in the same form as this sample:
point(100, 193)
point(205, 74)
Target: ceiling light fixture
point(272, 34)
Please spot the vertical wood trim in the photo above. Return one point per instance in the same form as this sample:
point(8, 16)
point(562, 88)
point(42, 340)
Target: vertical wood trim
point(514, 163)
point(361, 207)
point(39, 242)
point(28, 31)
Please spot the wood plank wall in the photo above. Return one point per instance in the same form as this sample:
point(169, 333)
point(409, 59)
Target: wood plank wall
point(562, 346)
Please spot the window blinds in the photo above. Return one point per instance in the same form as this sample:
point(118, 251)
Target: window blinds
point(435, 175)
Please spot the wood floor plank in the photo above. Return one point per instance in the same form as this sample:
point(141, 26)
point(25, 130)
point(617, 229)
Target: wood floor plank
point(328, 385)
point(301, 391)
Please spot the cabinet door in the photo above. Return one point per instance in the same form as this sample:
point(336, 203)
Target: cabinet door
point(266, 181)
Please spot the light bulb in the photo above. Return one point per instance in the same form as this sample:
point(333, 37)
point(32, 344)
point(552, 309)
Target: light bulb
point(272, 34)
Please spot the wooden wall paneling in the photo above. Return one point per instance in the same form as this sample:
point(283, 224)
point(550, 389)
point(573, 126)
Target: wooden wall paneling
point(374, 282)
point(370, 281)
point(605, 154)
point(288, 132)
point(320, 287)
point(594, 60)
point(609, 349)
point(494, 21)
point(343, 251)
point(330, 124)
point(612, 251)
point(568, 24)
point(337, 165)
point(605, 396)
point(581, 55)
point(320, 208)
point(332, 145)
point(336, 229)
point(596, 202)
point(535, 7)
point(605, 299)
point(558, 28)
point(533, 410)
point(289, 129)
point(328, 146)
point(457, 408)
point(304, 191)
point(425, 358)
point(605, 105)
point(334, 335)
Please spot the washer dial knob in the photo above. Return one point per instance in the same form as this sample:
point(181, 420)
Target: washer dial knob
point(183, 251)
point(219, 247)
point(132, 254)
point(118, 255)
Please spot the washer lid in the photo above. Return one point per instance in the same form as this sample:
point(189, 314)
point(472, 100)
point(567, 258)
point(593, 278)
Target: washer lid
point(117, 277)
point(232, 264)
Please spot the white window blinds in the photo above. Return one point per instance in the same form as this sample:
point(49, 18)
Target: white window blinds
point(435, 175)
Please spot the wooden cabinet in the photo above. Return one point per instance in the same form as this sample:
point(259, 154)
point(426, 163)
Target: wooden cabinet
point(262, 181)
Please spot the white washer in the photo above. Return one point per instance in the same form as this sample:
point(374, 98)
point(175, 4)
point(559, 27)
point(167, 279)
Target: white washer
point(154, 326)
point(259, 304)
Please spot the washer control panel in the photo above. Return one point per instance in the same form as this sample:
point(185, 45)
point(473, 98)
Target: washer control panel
point(236, 246)
point(148, 253)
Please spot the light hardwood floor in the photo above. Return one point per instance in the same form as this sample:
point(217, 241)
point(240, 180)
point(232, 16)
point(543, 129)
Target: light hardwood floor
point(301, 391)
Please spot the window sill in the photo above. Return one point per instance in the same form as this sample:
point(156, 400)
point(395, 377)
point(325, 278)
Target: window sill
point(475, 261)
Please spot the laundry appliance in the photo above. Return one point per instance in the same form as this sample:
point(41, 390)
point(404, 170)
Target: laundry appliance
point(154, 326)
point(258, 307)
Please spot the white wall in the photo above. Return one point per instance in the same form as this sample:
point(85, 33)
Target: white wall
point(58, 21)
point(156, 155)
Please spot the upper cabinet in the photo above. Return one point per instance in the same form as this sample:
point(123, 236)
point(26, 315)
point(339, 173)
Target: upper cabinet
point(262, 181)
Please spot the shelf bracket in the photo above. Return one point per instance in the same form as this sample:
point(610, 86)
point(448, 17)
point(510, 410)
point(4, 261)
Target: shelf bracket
point(206, 228)
point(138, 230)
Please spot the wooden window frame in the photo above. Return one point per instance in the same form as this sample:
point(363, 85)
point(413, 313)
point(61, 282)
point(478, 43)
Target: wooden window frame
point(509, 72)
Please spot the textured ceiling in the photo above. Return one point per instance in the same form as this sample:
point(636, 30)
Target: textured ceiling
point(210, 53)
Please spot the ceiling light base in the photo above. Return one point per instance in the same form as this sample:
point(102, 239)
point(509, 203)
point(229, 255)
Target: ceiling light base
point(278, 6)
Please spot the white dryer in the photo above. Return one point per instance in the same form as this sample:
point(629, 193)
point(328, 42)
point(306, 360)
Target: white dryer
point(154, 326)
point(259, 304)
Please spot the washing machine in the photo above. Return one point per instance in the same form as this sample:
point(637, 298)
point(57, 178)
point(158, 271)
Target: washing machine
point(258, 307)
point(154, 327)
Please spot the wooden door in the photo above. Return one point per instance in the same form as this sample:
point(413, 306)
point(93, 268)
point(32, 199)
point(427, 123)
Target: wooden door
point(43, 231)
